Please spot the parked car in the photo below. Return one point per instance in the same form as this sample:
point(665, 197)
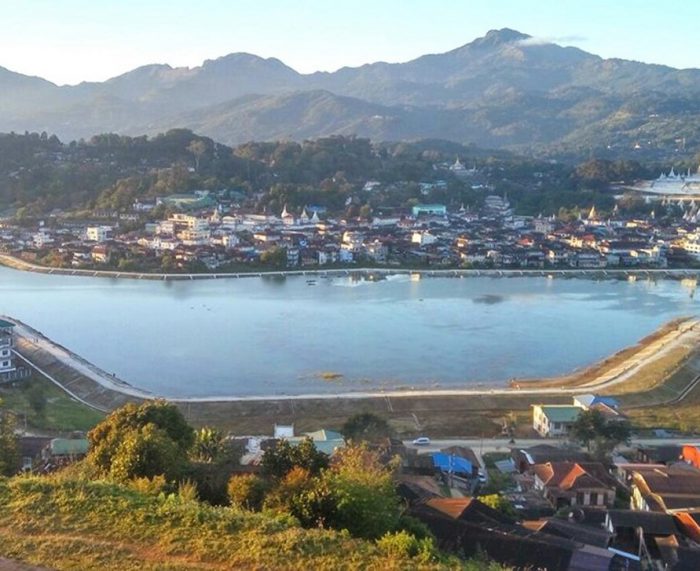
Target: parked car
point(422, 441)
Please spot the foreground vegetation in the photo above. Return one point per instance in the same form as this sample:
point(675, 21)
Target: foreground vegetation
point(153, 493)
point(78, 524)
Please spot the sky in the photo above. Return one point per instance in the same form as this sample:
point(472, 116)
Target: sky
point(69, 41)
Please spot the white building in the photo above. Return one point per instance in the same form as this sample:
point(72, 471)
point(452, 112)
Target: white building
point(423, 238)
point(98, 233)
point(6, 343)
point(554, 420)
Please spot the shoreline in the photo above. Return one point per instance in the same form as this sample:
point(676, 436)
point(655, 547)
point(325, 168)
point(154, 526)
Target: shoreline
point(34, 348)
point(18, 264)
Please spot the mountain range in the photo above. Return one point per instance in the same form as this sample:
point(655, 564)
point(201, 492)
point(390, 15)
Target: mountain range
point(506, 89)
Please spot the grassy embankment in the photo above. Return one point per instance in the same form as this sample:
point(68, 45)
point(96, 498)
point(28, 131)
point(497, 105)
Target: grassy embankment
point(41, 405)
point(658, 382)
point(603, 366)
point(69, 523)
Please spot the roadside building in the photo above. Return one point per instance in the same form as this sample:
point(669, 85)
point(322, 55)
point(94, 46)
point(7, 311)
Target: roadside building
point(554, 420)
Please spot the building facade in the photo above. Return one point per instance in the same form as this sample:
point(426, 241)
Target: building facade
point(7, 364)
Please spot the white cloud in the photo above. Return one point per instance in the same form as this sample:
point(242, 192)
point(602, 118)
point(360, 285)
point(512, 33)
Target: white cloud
point(541, 40)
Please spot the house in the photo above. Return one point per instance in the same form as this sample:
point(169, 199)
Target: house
point(452, 465)
point(526, 458)
point(668, 489)
point(100, 254)
point(429, 210)
point(690, 454)
point(587, 401)
point(98, 233)
point(468, 509)
point(465, 453)
point(574, 484)
point(635, 533)
point(326, 441)
point(7, 363)
point(554, 420)
point(666, 454)
point(468, 531)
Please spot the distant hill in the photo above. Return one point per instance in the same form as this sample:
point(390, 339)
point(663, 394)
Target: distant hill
point(505, 89)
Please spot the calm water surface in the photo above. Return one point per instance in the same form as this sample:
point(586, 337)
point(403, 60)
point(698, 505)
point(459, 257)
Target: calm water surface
point(270, 336)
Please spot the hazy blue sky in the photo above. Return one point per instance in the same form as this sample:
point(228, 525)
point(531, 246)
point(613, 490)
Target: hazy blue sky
point(68, 41)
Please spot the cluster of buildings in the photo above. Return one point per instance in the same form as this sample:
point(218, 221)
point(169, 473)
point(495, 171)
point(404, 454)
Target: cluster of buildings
point(423, 235)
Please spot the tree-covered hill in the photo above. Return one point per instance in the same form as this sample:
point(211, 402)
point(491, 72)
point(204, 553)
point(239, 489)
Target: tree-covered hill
point(505, 90)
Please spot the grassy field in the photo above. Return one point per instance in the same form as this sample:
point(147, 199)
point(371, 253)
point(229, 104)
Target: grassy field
point(43, 406)
point(83, 525)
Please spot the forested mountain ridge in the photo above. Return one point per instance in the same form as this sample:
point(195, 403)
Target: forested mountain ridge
point(505, 89)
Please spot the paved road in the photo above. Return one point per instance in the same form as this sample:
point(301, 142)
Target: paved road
point(482, 446)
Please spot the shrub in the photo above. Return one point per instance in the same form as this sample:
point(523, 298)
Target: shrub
point(247, 491)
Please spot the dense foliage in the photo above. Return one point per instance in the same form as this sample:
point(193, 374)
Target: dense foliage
point(141, 441)
point(70, 523)
point(108, 173)
point(592, 430)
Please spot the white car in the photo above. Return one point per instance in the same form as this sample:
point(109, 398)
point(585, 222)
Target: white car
point(422, 441)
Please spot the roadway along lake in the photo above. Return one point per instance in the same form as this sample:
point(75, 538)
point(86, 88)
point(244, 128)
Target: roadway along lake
point(278, 336)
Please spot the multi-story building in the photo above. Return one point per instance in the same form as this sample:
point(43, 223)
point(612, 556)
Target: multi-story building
point(7, 364)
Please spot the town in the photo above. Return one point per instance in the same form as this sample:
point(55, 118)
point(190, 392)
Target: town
point(219, 231)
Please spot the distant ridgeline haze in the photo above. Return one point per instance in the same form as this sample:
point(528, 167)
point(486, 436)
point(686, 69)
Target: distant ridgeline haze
point(501, 91)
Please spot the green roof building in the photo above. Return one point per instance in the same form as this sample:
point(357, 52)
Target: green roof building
point(555, 419)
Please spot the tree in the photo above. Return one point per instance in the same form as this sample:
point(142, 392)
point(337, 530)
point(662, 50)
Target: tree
point(362, 488)
point(9, 445)
point(197, 147)
point(306, 498)
point(209, 445)
point(146, 452)
point(279, 460)
point(499, 503)
point(247, 491)
point(276, 257)
point(135, 430)
point(365, 426)
point(591, 428)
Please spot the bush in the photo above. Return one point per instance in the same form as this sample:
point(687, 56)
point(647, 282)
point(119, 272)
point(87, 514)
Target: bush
point(402, 545)
point(247, 491)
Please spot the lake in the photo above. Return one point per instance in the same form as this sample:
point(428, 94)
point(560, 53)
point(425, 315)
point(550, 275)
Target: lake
point(256, 336)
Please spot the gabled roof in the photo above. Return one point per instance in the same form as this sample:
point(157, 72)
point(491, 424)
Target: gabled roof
point(323, 434)
point(467, 509)
point(561, 413)
point(653, 523)
point(572, 476)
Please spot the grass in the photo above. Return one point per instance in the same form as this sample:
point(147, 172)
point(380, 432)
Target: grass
point(606, 365)
point(69, 523)
point(60, 412)
point(656, 373)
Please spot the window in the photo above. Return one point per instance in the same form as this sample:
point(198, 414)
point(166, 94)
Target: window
point(5, 363)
